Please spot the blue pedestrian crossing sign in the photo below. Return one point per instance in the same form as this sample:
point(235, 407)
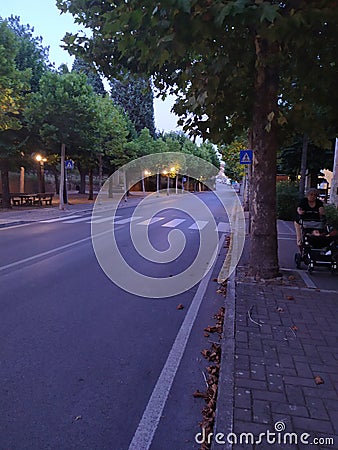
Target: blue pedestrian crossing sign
point(245, 156)
point(69, 164)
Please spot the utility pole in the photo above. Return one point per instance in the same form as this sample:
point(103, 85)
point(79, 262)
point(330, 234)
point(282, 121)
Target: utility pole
point(334, 183)
point(303, 165)
point(62, 176)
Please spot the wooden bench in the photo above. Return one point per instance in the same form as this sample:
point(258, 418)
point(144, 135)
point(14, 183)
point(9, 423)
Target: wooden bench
point(19, 199)
point(32, 199)
point(46, 197)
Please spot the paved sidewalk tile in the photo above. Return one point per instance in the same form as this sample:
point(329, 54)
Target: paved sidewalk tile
point(286, 365)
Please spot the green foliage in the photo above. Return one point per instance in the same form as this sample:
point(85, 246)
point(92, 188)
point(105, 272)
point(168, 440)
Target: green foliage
point(289, 160)
point(94, 79)
point(12, 81)
point(62, 111)
point(331, 212)
point(231, 156)
point(287, 200)
point(134, 95)
point(30, 54)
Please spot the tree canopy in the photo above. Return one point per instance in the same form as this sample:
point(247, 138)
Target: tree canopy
point(135, 96)
point(31, 54)
point(233, 66)
point(93, 77)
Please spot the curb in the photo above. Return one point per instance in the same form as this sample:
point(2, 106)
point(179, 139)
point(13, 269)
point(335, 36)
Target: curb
point(225, 396)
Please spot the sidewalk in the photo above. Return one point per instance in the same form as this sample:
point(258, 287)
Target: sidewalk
point(279, 368)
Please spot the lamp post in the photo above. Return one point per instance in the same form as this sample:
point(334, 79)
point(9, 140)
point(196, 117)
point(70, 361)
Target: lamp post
point(167, 174)
point(41, 172)
point(173, 170)
point(147, 174)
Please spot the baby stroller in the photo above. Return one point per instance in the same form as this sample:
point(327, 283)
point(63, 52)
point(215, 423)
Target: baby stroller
point(319, 246)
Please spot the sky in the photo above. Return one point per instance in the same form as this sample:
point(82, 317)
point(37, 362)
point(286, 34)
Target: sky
point(45, 18)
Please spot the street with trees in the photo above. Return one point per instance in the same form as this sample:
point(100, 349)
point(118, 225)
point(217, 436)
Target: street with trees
point(45, 110)
point(233, 66)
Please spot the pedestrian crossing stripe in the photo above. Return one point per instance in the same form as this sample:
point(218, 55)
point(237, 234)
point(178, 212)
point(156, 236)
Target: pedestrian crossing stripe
point(59, 219)
point(222, 227)
point(151, 221)
point(101, 220)
point(199, 225)
point(173, 223)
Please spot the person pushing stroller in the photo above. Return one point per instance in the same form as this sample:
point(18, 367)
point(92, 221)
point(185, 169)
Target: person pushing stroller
point(309, 208)
point(317, 245)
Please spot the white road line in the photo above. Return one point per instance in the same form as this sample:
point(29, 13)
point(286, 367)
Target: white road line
point(59, 219)
point(152, 414)
point(129, 219)
point(47, 253)
point(104, 219)
point(173, 223)
point(81, 219)
point(151, 221)
point(199, 225)
point(223, 227)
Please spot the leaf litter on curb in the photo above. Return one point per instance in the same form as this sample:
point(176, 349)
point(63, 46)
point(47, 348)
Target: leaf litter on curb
point(213, 355)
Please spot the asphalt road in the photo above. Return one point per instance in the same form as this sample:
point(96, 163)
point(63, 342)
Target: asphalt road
point(87, 365)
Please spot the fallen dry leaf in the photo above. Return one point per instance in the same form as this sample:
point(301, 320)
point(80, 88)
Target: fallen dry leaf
point(180, 306)
point(290, 297)
point(198, 394)
point(319, 380)
point(210, 329)
point(206, 353)
point(294, 328)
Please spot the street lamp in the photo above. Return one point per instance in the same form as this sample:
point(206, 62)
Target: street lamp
point(41, 172)
point(146, 173)
point(173, 170)
point(166, 173)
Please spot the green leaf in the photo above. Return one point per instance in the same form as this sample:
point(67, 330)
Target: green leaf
point(269, 12)
point(222, 14)
point(184, 5)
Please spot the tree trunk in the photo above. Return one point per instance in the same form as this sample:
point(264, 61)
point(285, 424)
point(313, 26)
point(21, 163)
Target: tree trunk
point(56, 179)
point(82, 173)
point(91, 185)
point(6, 196)
point(263, 256)
point(100, 171)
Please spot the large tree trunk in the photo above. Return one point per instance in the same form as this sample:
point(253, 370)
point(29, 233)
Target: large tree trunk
point(91, 184)
point(6, 196)
point(263, 257)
